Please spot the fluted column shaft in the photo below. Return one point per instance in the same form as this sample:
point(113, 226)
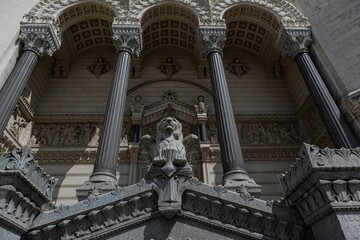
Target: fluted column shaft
point(333, 119)
point(14, 85)
point(232, 159)
point(38, 39)
point(128, 43)
point(108, 150)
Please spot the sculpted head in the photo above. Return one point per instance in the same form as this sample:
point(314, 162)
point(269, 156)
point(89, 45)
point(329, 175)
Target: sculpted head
point(169, 126)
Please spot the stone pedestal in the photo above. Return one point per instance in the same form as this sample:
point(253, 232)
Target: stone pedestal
point(324, 186)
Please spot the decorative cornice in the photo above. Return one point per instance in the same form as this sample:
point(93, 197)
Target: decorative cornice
point(127, 38)
point(20, 162)
point(212, 39)
point(39, 38)
point(293, 41)
point(323, 181)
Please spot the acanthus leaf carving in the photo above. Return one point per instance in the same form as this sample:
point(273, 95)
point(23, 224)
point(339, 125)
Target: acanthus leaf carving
point(39, 38)
point(127, 38)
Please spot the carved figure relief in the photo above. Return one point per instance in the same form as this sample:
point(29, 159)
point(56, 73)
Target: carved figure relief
point(237, 68)
point(169, 67)
point(100, 67)
point(61, 69)
point(264, 133)
point(169, 148)
point(70, 134)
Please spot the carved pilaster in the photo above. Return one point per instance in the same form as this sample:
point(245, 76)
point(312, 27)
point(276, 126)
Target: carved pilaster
point(293, 41)
point(39, 38)
point(127, 38)
point(212, 39)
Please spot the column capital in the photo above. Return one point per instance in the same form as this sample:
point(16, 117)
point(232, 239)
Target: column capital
point(293, 41)
point(39, 38)
point(127, 38)
point(212, 39)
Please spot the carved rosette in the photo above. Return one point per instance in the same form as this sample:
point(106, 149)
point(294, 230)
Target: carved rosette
point(39, 38)
point(212, 39)
point(293, 41)
point(127, 38)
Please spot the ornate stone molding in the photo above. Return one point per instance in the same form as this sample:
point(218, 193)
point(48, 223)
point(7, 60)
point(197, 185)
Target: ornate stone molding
point(127, 38)
point(323, 185)
point(312, 160)
point(21, 162)
point(293, 41)
point(288, 14)
point(39, 38)
point(212, 39)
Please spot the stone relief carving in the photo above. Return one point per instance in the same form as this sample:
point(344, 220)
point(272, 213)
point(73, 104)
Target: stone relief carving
point(19, 127)
point(237, 68)
point(269, 133)
point(274, 70)
point(294, 41)
point(21, 159)
point(61, 69)
point(169, 95)
point(100, 67)
point(354, 106)
point(70, 134)
point(168, 150)
point(39, 38)
point(169, 67)
point(127, 38)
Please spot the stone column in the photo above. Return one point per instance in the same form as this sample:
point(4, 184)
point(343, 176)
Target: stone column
point(295, 43)
point(235, 176)
point(38, 39)
point(103, 179)
point(127, 42)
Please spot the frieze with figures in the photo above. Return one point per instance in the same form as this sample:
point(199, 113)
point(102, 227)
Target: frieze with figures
point(71, 134)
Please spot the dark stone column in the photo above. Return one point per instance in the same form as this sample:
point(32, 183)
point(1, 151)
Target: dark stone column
point(235, 175)
point(103, 179)
point(14, 85)
point(295, 43)
point(38, 40)
point(127, 41)
point(135, 134)
point(108, 150)
point(203, 132)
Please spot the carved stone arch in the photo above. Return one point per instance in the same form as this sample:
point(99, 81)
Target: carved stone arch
point(287, 14)
point(200, 8)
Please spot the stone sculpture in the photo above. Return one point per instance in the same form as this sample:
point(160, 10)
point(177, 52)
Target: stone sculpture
point(168, 150)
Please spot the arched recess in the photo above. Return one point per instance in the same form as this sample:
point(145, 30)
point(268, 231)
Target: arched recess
point(256, 27)
point(169, 25)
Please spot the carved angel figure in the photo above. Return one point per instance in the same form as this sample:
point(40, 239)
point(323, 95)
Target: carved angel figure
point(169, 145)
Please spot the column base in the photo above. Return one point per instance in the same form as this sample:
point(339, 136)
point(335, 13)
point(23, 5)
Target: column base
point(239, 181)
point(99, 183)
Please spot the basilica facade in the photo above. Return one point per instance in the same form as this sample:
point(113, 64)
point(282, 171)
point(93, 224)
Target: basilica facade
point(142, 119)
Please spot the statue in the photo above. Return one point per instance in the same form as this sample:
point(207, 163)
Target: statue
point(169, 149)
point(169, 67)
point(100, 67)
point(238, 68)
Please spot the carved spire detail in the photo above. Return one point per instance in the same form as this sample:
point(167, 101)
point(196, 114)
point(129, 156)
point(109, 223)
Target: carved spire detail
point(293, 41)
point(127, 38)
point(39, 38)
